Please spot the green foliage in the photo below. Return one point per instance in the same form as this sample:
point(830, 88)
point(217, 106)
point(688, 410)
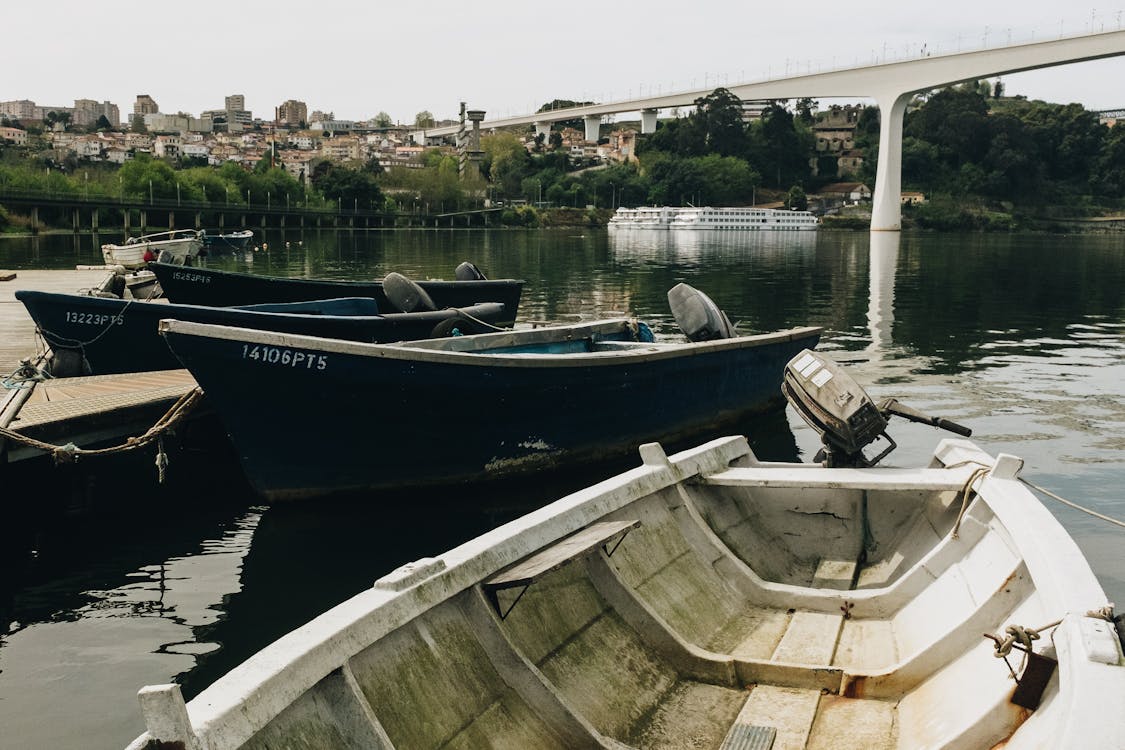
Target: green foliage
point(556, 104)
point(349, 187)
point(796, 199)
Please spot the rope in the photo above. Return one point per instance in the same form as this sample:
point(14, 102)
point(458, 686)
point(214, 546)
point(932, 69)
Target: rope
point(69, 453)
point(50, 336)
point(27, 374)
point(966, 493)
point(1020, 638)
point(1074, 505)
point(486, 324)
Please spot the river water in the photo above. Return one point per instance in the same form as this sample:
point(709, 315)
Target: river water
point(1021, 337)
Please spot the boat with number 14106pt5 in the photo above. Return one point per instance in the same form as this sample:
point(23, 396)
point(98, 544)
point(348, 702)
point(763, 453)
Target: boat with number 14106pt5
point(475, 407)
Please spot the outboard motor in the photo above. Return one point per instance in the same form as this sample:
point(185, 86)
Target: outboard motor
point(834, 405)
point(468, 272)
point(697, 316)
point(405, 295)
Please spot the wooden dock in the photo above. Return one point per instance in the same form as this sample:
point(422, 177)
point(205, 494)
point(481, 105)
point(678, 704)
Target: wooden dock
point(17, 331)
point(83, 410)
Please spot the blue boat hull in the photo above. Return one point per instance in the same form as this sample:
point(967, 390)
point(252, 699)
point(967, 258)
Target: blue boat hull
point(120, 336)
point(309, 420)
point(214, 288)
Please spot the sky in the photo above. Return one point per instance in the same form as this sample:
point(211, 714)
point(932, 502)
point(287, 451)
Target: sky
point(357, 59)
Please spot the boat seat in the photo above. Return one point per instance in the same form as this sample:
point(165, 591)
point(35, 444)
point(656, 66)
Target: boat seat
point(835, 574)
point(577, 545)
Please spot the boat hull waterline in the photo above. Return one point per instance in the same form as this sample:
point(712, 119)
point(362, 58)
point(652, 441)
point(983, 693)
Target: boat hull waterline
point(508, 403)
point(704, 599)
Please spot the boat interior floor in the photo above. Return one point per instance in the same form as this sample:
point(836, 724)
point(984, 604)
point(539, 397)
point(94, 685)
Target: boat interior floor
point(718, 612)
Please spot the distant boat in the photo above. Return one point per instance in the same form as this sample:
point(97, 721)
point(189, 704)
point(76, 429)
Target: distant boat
point(177, 247)
point(227, 241)
point(745, 218)
point(476, 407)
point(704, 599)
point(114, 335)
point(208, 286)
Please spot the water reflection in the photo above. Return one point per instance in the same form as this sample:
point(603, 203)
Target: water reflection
point(1021, 338)
point(88, 657)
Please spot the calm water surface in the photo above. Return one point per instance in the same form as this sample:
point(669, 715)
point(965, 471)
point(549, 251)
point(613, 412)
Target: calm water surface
point(1021, 338)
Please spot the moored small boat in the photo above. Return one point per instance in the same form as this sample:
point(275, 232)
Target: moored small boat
point(220, 241)
point(212, 287)
point(709, 599)
point(109, 335)
point(177, 247)
point(530, 399)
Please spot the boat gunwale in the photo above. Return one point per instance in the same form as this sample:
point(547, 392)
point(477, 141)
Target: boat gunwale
point(296, 280)
point(119, 306)
point(429, 352)
point(242, 702)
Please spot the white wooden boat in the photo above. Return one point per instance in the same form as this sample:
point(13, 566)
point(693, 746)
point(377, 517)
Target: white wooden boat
point(707, 599)
point(176, 247)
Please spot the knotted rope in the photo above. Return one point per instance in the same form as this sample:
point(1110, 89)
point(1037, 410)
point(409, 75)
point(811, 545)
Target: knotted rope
point(70, 453)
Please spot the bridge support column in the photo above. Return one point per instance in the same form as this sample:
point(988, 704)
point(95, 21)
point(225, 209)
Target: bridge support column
point(94, 220)
point(198, 219)
point(144, 221)
point(543, 129)
point(886, 203)
point(75, 221)
point(171, 219)
point(222, 221)
point(648, 121)
point(593, 127)
point(127, 213)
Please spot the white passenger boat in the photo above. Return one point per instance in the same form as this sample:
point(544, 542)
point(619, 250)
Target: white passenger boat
point(622, 217)
point(744, 219)
point(177, 247)
point(709, 599)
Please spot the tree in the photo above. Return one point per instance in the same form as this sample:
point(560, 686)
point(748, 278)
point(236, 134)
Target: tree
point(557, 104)
point(102, 123)
point(796, 199)
point(383, 120)
point(350, 187)
point(781, 147)
point(806, 110)
point(139, 124)
point(423, 119)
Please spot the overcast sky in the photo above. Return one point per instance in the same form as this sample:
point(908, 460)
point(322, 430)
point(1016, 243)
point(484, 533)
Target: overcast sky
point(357, 59)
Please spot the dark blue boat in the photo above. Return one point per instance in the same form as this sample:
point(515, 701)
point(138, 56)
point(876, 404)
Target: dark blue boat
point(376, 416)
point(207, 286)
point(101, 336)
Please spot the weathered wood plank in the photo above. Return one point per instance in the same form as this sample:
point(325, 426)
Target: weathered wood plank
point(558, 554)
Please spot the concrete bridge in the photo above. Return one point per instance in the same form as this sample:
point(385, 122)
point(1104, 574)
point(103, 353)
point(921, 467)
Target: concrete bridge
point(891, 85)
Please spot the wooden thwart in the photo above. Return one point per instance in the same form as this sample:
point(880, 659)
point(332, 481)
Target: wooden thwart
point(581, 543)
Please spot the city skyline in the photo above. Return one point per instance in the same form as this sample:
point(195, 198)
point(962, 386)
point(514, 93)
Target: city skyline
point(503, 60)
